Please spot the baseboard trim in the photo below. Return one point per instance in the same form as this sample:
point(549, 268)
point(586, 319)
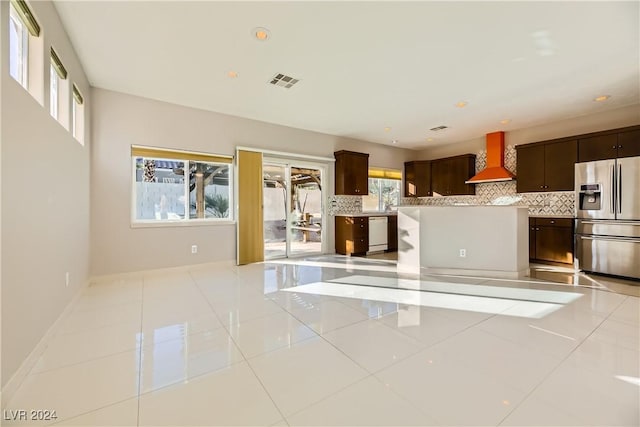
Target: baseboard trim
point(139, 274)
point(16, 380)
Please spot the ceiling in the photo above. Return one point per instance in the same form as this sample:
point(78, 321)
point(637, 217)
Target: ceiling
point(367, 66)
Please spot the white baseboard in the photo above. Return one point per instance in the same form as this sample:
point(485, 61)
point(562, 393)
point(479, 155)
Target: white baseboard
point(141, 273)
point(16, 380)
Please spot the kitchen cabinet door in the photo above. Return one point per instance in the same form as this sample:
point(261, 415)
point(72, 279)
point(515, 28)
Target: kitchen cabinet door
point(448, 175)
point(551, 239)
point(530, 175)
point(352, 235)
point(352, 173)
point(629, 143)
point(598, 148)
point(554, 244)
point(559, 161)
point(462, 169)
point(392, 233)
point(417, 178)
point(532, 238)
point(440, 177)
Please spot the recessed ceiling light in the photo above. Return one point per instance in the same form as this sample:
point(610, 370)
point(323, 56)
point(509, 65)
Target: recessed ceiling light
point(602, 98)
point(387, 129)
point(232, 74)
point(261, 33)
point(505, 121)
point(429, 139)
point(395, 141)
point(461, 104)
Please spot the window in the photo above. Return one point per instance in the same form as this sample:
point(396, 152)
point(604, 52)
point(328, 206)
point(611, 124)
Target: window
point(26, 49)
point(18, 47)
point(58, 90)
point(53, 92)
point(77, 115)
point(384, 190)
point(179, 186)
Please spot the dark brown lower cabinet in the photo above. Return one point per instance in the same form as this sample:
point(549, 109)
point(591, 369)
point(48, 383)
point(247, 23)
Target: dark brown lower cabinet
point(551, 239)
point(392, 233)
point(352, 235)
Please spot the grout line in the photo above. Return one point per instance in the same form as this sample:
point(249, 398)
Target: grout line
point(560, 363)
point(224, 326)
point(141, 350)
point(65, 420)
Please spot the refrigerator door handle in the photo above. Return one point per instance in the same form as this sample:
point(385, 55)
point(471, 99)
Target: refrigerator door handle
point(613, 189)
point(611, 239)
point(619, 188)
point(616, 222)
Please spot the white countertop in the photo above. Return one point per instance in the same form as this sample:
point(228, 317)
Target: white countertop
point(550, 216)
point(368, 214)
point(463, 206)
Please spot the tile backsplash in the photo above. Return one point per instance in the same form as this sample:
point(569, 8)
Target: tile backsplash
point(345, 205)
point(492, 193)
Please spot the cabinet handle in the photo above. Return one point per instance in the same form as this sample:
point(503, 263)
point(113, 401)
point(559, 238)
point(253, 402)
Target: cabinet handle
point(553, 222)
point(619, 146)
point(537, 229)
point(614, 147)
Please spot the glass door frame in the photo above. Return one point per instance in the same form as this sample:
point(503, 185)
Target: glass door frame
point(288, 163)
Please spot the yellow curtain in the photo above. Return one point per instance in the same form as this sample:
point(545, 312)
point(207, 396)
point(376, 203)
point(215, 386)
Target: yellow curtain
point(137, 150)
point(385, 173)
point(250, 218)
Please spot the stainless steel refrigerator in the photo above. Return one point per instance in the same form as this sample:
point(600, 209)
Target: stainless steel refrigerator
point(608, 216)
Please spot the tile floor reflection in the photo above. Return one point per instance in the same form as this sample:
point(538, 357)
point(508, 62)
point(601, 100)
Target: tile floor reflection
point(267, 344)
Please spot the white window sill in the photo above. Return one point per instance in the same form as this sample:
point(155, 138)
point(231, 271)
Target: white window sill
point(180, 223)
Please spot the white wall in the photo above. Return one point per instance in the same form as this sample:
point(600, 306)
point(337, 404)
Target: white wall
point(620, 117)
point(45, 201)
point(121, 120)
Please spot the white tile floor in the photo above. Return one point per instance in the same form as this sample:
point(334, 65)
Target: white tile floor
point(224, 345)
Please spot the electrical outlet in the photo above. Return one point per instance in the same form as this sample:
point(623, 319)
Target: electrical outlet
point(194, 249)
point(463, 253)
point(66, 279)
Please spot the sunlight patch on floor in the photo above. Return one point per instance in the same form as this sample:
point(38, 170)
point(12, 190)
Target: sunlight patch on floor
point(509, 307)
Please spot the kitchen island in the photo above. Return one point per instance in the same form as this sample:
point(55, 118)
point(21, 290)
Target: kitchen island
point(483, 240)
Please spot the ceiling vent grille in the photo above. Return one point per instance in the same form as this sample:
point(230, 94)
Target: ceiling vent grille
point(437, 128)
point(283, 80)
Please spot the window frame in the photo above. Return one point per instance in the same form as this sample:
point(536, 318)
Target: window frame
point(186, 221)
point(77, 109)
point(54, 103)
point(24, 48)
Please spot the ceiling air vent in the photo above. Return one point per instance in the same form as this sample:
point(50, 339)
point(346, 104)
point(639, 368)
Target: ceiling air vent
point(437, 128)
point(283, 80)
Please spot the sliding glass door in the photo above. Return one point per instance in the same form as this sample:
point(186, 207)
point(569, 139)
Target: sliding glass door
point(293, 200)
point(276, 206)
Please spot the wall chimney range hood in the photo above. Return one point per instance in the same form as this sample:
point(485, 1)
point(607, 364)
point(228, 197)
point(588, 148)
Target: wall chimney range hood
point(495, 170)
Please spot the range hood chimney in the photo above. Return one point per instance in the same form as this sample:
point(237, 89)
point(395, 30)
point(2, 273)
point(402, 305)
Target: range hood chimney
point(495, 170)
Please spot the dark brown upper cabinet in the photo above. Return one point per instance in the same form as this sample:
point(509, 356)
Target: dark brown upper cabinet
point(609, 144)
point(417, 178)
point(352, 173)
point(546, 166)
point(629, 143)
point(598, 148)
point(448, 175)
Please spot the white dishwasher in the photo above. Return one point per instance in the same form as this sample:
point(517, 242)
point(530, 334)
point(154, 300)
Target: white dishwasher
point(377, 233)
